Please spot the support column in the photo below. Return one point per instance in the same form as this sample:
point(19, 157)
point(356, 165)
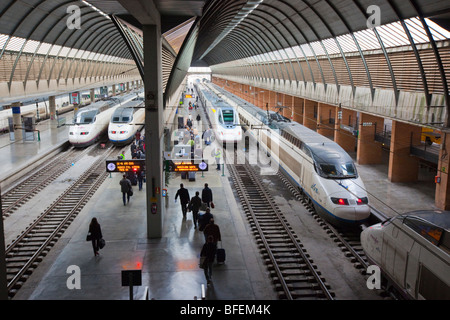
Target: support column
point(298, 110)
point(442, 195)
point(153, 128)
point(3, 281)
point(402, 166)
point(92, 94)
point(310, 114)
point(17, 121)
point(113, 90)
point(343, 129)
point(52, 107)
point(325, 112)
point(369, 151)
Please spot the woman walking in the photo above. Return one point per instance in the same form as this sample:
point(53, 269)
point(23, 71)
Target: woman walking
point(96, 234)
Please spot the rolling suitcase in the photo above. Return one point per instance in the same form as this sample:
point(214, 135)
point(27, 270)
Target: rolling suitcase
point(221, 255)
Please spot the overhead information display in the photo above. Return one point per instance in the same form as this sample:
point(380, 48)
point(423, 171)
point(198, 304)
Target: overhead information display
point(185, 166)
point(125, 165)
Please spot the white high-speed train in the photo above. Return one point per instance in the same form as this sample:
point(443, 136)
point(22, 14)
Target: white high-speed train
point(91, 122)
point(321, 169)
point(126, 121)
point(224, 118)
point(412, 251)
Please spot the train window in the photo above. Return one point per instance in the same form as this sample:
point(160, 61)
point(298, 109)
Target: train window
point(85, 117)
point(228, 116)
point(429, 231)
point(431, 287)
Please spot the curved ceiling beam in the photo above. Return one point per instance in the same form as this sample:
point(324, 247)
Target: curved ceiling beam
point(345, 23)
point(383, 49)
point(416, 52)
point(437, 57)
point(330, 31)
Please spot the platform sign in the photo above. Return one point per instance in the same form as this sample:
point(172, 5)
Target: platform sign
point(74, 98)
point(185, 166)
point(125, 165)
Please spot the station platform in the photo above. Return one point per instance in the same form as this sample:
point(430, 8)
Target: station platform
point(169, 264)
point(22, 156)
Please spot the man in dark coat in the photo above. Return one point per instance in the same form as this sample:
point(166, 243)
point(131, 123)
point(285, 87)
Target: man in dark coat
point(194, 205)
point(204, 220)
point(183, 193)
point(125, 187)
point(207, 196)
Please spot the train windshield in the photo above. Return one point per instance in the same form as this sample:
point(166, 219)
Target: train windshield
point(228, 116)
point(333, 164)
point(85, 117)
point(123, 115)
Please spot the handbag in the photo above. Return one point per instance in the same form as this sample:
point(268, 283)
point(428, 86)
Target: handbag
point(101, 243)
point(130, 192)
point(89, 237)
point(212, 205)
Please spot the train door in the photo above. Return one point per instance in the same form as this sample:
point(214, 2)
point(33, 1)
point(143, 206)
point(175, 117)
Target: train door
point(412, 270)
point(388, 256)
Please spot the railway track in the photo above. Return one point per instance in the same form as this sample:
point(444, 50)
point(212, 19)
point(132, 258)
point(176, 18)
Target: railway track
point(293, 272)
point(28, 249)
point(26, 189)
point(348, 240)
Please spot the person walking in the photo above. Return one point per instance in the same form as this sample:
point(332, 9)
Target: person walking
point(204, 219)
point(212, 229)
point(208, 252)
point(95, 232)
point(183, 193)
point(140, 177)
point(195, 205)
point(207, 196)
point(125, 187)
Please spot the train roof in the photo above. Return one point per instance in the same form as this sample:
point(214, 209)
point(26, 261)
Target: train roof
point(439, 218)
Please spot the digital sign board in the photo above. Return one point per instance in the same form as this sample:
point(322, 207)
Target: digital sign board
point(125, 165)
point(185, 166)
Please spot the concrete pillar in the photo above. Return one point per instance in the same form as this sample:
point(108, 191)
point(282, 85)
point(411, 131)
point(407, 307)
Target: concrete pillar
point(288, 102)
point(402, 166)
point(442, 195)
point(92, 94)
point(343, 129)
point(128, 86)
point(325, 112)
point(17, 121)
point(369, 151)
point(52, 107)
point(154, 128)
point(298, 110)
point(310, 114)
point(3, 281)
point(113, 90)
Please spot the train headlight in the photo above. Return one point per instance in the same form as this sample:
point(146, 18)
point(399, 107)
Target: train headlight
point(122, 132)
point(363, 200)
point(84, 133)
point(340, 201)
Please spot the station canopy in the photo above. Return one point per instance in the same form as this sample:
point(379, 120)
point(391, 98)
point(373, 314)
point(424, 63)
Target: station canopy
point(229, 33)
